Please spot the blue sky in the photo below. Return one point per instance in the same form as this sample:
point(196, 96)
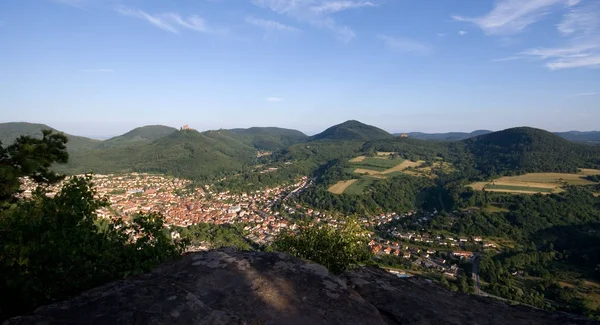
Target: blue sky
point(102, 67)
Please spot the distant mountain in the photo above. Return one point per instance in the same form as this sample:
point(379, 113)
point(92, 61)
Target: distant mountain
point(147, 133)
point(352, 130)
point(271, 138)
point(450, 136)
point(526, 149)
point(186, 153)
point(577, 136)
point(11, 131)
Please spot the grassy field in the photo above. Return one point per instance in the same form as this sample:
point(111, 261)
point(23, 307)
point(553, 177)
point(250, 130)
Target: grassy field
point(341, 186)
point(367, 171)
point(381, 162)
point(551, 178)
point(359, 186)
point(384, 153)
point(536, 182)
point(357, 159)
point(494, 209)
point(517, 188)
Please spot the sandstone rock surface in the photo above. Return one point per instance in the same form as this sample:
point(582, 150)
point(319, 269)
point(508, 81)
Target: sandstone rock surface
point(230, 287)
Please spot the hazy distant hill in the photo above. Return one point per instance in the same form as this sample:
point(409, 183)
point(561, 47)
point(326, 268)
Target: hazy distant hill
point(450, 136)
point(271, 138)
point(147, 133)
point(525, 149)
point(352, 130)
point(186, 153)
point(10, 131)
point(577, 136)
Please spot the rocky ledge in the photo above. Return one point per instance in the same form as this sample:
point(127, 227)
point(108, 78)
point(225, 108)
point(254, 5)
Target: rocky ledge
point(231, 287)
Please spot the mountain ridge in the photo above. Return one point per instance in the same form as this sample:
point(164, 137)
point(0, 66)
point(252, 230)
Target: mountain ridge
point(351, 130)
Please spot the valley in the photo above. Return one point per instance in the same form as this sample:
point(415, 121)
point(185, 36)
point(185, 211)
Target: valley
point(431, 207)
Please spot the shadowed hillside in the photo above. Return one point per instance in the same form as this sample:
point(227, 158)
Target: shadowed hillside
point(526, 149)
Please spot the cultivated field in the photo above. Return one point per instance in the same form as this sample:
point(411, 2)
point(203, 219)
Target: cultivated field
point(519, 188)
point(552, 178)
point(587, 171)
point(382, 166)
point(341, 186)
point(359, 186)
point(367, 171)
point(532, 183)
point(404, 165)
point(357, 159)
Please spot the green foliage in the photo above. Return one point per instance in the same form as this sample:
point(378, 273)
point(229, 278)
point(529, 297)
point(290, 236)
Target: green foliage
point(30, 157)
point(53, 248)
point(337, 249)
point(216, 236)
point(593, 178)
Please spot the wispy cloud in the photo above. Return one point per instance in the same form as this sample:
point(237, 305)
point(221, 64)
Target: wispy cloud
point(335, 6)
point(579, 27)
point(317, 13)
point(583, 20)
point(274, 99)
point(171, 22)
point(513, 16)
point(97, 70)
point(271, 25)
point(462, 32)
point(510, 58)
point(572, 56)
point(585, 94)
point(405, 45)
point(440, 34)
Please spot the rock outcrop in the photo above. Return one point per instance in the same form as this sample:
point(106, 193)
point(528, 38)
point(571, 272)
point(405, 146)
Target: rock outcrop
point(230, 287)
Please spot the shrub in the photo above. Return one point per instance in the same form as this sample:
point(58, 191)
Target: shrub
point(337, 249)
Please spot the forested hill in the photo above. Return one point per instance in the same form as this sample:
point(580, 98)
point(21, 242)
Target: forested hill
point(589, 137)
point(525, 149)
point(187, 153)
point(10, 131)
point(352, 130)
point(271, 138)
point(450, 136)
point(146, 133)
